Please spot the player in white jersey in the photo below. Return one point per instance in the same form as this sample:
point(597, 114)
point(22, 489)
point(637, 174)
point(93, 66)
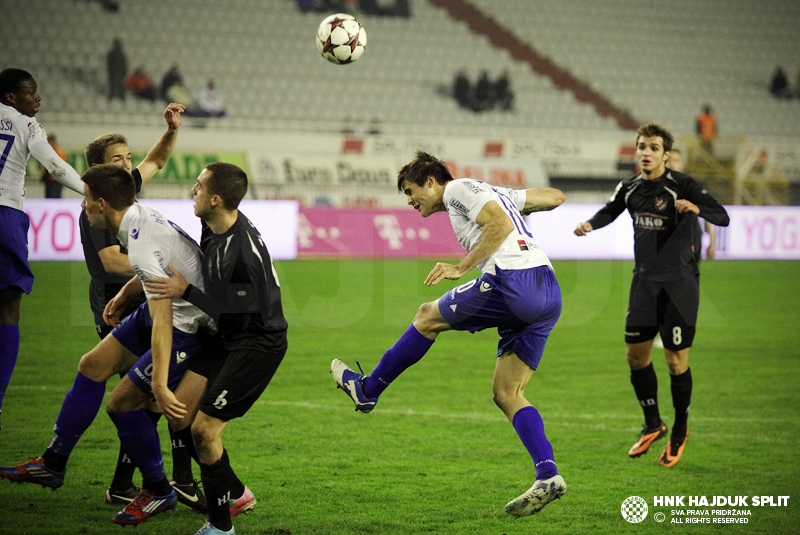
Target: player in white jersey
point(517, 293)
point(154, 345)
point(20, 136)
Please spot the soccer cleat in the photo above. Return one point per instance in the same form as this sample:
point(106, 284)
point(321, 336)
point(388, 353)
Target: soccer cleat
point(646, 438)
point(145, 505)
point(120, 497)
point(242, 504)
point(539, 495)
point(191, 496)
point(353, 385)
point(210, 529)
point(34, 471)
point(672, 453)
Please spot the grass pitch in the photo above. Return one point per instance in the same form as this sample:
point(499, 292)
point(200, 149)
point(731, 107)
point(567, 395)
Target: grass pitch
point(436, 456)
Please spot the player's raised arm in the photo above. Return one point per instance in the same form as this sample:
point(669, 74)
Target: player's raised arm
point(542, 199)
point(159, 153)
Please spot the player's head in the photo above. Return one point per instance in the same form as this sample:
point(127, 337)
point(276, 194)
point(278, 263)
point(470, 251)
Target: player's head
point(422, 166)
point(653, 143)
point(676, 162)
point(18, 89)
point(422, 181)
point(109, 148)
point(219, 184)
point(110, 183)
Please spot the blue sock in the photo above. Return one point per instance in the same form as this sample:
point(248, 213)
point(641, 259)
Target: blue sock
point(77, 413)
point(139, 438)
point(530, 428)
point(406, 352)
point(9, 349)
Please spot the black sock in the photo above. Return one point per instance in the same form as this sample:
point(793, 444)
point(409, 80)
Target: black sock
point(218, 494)
point(54, 461)
point(645, 384)
point(182, 453)
point(681, 398)
point(234, 483)
point(159, 488)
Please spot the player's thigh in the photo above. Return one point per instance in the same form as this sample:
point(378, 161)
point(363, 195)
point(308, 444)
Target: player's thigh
point(109, 357)
point(127, 397)
point(9, 308)
point(511, 375)
point(190, 392)
point(641, 318)
point(679, 314)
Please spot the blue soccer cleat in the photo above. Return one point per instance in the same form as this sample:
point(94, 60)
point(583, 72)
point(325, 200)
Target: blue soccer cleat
point(540, 494)
point(34, 471)
point(209, 529)
point(353, 385)
point(144, 506)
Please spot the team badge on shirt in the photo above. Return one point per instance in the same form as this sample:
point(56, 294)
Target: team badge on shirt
point(661, 203)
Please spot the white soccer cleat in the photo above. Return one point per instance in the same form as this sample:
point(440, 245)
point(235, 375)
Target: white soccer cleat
point(539, 495)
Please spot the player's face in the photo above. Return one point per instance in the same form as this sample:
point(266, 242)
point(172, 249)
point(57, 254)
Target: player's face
point(201, 195)
point(119, 154)
point(93, 210)
point(651, 156)
point(423, 199)
point(26, 100)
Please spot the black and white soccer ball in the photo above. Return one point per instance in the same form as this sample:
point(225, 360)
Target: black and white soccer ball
point(341, 39)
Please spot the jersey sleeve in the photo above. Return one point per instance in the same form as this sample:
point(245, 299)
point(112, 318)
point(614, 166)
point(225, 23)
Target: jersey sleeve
point(710, 210)
point(466, 197)
point(48, 157)
point(615, 206)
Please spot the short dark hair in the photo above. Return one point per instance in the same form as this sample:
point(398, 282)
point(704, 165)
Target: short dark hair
point(11, 81)
point(112, 183)
point(420, 168)
point(229, 182)
point(96, 150)
point(653, 130)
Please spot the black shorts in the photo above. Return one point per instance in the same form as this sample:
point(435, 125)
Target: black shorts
point(668, 307)
point(238, 377)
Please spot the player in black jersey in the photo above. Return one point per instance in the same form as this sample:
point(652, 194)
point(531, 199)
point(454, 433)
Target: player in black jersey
point(665, 291)
point(110, 269)
point(243, 297)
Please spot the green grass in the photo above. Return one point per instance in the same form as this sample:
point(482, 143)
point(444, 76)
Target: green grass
point(436, 456)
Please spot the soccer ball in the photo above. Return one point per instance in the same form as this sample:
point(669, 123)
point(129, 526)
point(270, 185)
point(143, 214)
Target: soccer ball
point(341, 39)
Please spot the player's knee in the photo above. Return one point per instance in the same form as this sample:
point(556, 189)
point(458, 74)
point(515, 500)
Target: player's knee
point(201, 435)
point(92, 367)
point(637, 356)
point(428, 321)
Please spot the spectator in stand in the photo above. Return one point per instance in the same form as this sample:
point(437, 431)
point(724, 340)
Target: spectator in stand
point(140, 84)
point(502, 92)
point(210, 101)
point(172, 77)
point(52, 187)
point(779, 86)
point(117, 64)
point(484, 93)
point(461, 89)
point(707, 129)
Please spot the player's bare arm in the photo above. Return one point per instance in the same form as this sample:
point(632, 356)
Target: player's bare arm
point(167, 288)
point(496, 227)
point(542, 199)
point(159, 153)
point(583, 229)
point(115, 262)
point(161, 342)
point(683, 206)
point(112, 314)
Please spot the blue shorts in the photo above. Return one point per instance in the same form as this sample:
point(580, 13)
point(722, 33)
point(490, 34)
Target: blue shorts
point(15, 271)
point(134, 334)
point(523, 304)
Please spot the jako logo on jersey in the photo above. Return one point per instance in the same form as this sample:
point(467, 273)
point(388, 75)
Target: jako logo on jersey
point(649, 221)
point(135, 233)
point(180, 356)
point(485, 287)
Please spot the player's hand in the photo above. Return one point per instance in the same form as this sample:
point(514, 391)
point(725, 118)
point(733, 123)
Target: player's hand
point(442, 271)
point(168, 404)
point(683, 206)
point(167, 288)
point(173, 115)
point(114, 310)
point(583, 229)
